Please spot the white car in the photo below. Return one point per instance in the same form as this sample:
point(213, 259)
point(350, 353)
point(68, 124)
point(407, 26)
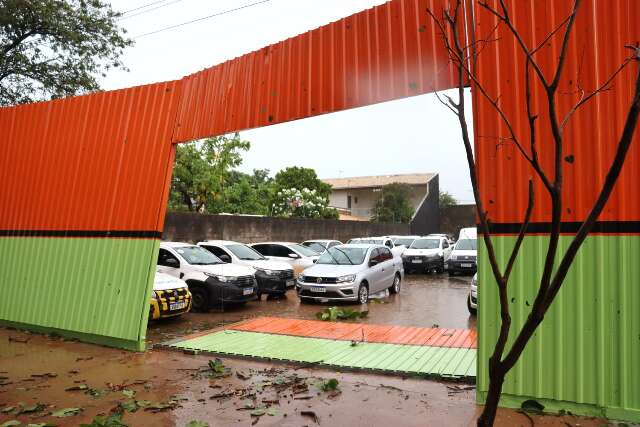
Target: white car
point(320, 245)
point(212, 283)
point(351, 272)
point(385, 241)
point(273, 277)
point(472, 299)
point(297, 256)
point(426, 254)
point(464, 255)
point(170, 297)
point(405, 241)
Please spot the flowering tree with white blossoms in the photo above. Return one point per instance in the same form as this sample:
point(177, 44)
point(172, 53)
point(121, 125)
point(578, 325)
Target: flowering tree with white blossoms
point(304, 203)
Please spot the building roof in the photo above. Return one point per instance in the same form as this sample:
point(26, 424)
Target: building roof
point(379, 180)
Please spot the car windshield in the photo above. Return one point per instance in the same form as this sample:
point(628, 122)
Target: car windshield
point(341, 255)
point(196, 255)
point(403, 242)
point(244, 252)
point(315, 246)
point(425, 244)
point(303, 250)
point(371, 241)
point(467, 245)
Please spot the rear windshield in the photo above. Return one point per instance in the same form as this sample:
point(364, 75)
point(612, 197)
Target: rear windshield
point(245, 253)
point(467, 245)
point(403, 242)
point(314, 246)
point(425, 244)
point(303, 250)
point(341, 255)
point(195, 255)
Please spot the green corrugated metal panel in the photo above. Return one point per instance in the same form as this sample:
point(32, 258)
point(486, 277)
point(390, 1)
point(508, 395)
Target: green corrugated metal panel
point(98, 289)
point(587, 349)
point(457, 363)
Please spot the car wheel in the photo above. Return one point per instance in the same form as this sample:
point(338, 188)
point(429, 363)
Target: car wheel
point(471, 309)
point(363, 294)
point(451, 273)
point(441, 267)
point(200, 300)
point(306, 300)
point(395, 287)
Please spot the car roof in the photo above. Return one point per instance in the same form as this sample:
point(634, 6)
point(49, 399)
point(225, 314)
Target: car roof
point(175, 244)
point(220, 242)
point(360, 245)
point(321, 240)
point(274, 243)
point(407, 237)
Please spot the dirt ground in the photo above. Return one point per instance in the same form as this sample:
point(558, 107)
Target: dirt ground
point(41, 375)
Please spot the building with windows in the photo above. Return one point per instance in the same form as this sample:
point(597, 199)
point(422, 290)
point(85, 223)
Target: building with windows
point(355, 197)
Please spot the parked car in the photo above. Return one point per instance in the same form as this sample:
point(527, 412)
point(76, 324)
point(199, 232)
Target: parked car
point(426, 254)
point(385, 241)
point(320, 245)
point(446, 236)
point(405, 241)
point(464, 255)
point(212, 283)
point(170, 297)
point(273, 277)
point(297, 256)
point(472, 299)
point(351, 272)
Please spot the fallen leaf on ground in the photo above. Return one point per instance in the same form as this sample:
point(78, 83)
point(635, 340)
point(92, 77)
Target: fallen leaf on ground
point(197, 424)
point(77, 387)
point(113, 420)
point(67, 412)
point(10, 423)
point(129, 393)
point(330, 385)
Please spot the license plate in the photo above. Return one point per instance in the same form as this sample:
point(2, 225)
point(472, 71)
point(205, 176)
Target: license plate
point(417, 261)
point(178, 305)
point(247, 291)
point(291, 283)
point(318, 289)
point(466, 265)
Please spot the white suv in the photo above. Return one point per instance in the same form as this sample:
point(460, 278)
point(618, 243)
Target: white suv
point(212, 282)
point(426, 254)
point(273, 277)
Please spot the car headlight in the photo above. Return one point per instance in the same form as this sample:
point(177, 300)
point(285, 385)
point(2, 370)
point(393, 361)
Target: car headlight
point(346, 279)
point(223, 279)
point(302, 278)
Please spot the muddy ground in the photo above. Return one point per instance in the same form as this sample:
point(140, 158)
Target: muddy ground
point(41, 376)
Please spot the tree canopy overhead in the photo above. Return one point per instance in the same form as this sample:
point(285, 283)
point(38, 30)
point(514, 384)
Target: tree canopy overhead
point(56, 48)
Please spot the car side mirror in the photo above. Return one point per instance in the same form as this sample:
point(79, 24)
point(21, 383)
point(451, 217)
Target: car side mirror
point(294, 256)
point(225, 258)
point(172, 262)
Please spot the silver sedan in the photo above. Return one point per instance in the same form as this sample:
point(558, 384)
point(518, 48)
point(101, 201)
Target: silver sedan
point(351, 272)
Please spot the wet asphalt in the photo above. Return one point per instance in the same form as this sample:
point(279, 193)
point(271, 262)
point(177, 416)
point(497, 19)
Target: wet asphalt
point(425, 300)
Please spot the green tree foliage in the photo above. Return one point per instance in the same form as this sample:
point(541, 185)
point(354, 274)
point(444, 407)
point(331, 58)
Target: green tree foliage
point(304, 203)
point(394, 204)
point(202, 171)
point(298, 179)
point(249, 194)
point(446, 200)
point(56, 48)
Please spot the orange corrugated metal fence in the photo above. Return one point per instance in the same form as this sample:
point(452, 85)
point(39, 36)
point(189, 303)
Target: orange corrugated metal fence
point(387, 52)
point(596, 49)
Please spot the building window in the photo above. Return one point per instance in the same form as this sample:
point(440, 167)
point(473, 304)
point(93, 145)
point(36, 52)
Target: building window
point(348, 202)
point(355, 200)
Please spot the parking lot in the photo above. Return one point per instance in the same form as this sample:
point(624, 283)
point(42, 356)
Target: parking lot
point(425, 300)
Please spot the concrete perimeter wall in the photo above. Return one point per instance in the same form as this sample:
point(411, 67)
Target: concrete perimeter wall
point(453, 218)
point(193, 227)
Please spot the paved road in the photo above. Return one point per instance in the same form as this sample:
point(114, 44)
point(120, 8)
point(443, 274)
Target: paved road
point(425, 301)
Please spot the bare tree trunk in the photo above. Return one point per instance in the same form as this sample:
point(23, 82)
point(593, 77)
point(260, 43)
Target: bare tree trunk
point(461, 56)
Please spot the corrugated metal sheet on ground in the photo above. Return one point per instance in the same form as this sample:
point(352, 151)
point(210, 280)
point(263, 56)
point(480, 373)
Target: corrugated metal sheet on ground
point(428, 361)
point(390, 334)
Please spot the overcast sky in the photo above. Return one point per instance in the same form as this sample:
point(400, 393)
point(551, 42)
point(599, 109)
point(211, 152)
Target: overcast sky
point(412, 135)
